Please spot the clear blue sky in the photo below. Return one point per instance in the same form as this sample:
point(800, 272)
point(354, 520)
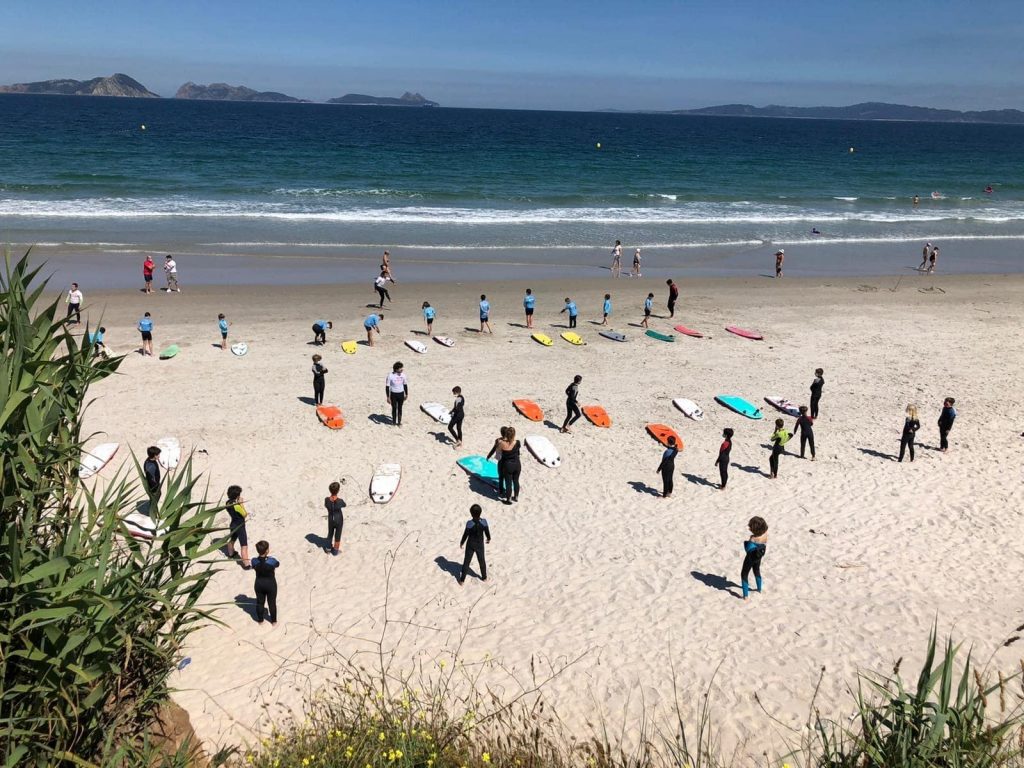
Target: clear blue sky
point(558, 54)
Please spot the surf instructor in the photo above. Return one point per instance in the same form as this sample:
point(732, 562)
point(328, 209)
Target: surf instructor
point(396, 389)
point(572, 406)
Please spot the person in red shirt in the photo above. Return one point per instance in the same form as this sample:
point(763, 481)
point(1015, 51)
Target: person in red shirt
point(673, 296)
point(147, 273)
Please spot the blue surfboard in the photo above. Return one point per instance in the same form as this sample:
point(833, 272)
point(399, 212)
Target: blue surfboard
point(481, 468)
point(740, 406)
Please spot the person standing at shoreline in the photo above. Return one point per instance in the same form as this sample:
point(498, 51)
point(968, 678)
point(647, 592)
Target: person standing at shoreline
point(572, 407)
point(147, 273)
point(457, 414)
point(648, 308)
point(933, 259)
point(473, 536)
point(146, 329)
point(570, 307)
point(319, 382)
point(385, 266)
point(924, 257)
point(816, 386)
point(529, 302)
point(617, 259)
point(372, 324)
point(667, 467)
point(780, 256)
point(754, 549)
point(673, 296)
point(910, 427)
point(485, 314)
point(636, 264)
point(607, 308)
point(722, 462)
point(171, 273)
point(74, 300)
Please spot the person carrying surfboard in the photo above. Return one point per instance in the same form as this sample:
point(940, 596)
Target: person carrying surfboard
point(779, 439)
point(396, 388)
point(648, 307)
point(473, 536)
point(570, 307)
point(572, 406)
point(667, 467)
point(456, 415)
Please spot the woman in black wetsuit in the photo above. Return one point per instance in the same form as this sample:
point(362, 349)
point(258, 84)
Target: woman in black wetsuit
point(805, 424)
point(457, 414)
point(266, 582)
point(910, 427)
point(722, 462)
point(513, 466)
point(572, 408)
point(816, 386)
point(754, 549)
point(668, 467)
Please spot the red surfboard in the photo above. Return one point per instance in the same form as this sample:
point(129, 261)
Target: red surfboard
point(529, 409)
point(754, 335)
point(662, 433)
point(689, 332)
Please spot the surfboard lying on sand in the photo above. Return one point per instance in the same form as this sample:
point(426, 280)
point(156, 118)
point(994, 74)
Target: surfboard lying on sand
point(689, 408)
point(140, 526)
point(529, 409)
point(660, 336)
point(689, 332)
point(170, 352)
point(753, 335)
point(782, 404)
point(662, 433)
point(613, 335)
point(240, 349)
point(480, 467)
point(543, 450)
point(330, 416)
point(445, 341)
point(384, 483)
point(740, 406)
point(416, 346)
point(349, 347)
point(573, 338)
point(96, 458)
point(597, 415)
point(437, 412)
point(542, 338)
point(170, 452)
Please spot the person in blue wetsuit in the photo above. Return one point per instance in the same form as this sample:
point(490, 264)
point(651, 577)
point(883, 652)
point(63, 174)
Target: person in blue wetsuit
point(754, 549)
point(570, 307)
point(946, 419)
point(529, 302)
point(607, 308)
point(428, 315)
point(668, 467)
point(473, 536)
point(265, 568)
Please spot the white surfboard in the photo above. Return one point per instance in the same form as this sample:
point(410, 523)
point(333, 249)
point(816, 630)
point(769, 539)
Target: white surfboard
point(416, 346)
point(140, 526)
point(170, 452)
point(782, 404)
point(543, 450)
point(384, 482)
point(239, 349)
point(96, 458)
point(437, 412)
point(446, 341)
point(689, 408)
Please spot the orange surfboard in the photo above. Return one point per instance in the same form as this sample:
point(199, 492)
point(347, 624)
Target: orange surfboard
point(529, 409)
point(330, 416)
point(662, 433)
point(597, 415)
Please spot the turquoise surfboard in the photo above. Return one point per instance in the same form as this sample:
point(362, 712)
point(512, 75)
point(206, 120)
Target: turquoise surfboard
point(480, 467)
point(741, 406)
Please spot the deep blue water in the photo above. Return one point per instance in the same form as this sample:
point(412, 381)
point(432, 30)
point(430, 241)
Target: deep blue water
point(221, 175)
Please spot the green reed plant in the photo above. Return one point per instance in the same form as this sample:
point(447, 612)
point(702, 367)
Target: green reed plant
point(91, 620)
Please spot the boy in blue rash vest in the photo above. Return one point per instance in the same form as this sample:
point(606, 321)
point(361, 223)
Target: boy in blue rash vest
point(372, 324)
point(320, 328)
point(238, 515)
point(529, 301)
point(485, 313)
point(754, 549)
point(946, 419)
point(570, 307)
point(428, 316)
point(607, 308)
point(648, 308)
point(146, 329)
point(473, 540)
point(266, 582)
point(222, 324)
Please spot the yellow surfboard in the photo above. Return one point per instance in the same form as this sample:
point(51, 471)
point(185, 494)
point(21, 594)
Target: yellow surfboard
point(573, 338)
point(542, 338)
point(349, 347)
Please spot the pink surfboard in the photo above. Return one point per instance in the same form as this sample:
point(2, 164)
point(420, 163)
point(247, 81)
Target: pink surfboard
point(689, 332)
point(744, 333)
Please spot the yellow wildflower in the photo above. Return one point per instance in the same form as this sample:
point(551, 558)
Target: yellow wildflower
point(444, 664)
point(380, 736)
point(348, 753)
point(487, 757)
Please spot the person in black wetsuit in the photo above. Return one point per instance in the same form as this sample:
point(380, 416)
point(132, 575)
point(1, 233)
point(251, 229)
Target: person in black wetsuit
point(457, 414)
point(754, 549)
point(722, 462)
point(816, 386)
point(668, 467)
point(151, 469)
point(266, 583)
point(396, 388)
point(910, 427)
point(572, 408)
point(946, 419)
point(513, 466)
point(319, 383)
point(238, 514)
point(335, 518)
point(473, 540)
point(806, 426)
point(504, 489)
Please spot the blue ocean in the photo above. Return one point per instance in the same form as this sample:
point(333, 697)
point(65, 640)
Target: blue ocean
point(225, 177)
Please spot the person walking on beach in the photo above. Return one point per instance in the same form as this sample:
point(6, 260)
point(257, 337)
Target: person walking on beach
point(607, 308)
point(667, 467)
point(754, 549)
point(648, 308)
point(74, 300)
point(529, 302)
point(946, 419)
point(572, 406)
point(265, 568)
point(457, 414)
point(570, 307)
point(151, 471)
point(485, 314)
point(222, 324)
point(396, 388)
point(320, 329)
point(722, 462)
point(335, 518)
point(171, 273)
point(780, 256)
point(816, 387)
point(428, 316)
point(372, 325)
point(236, 511)
point(146, 329)
point(385, 266)
point(617, 259)
point(147, 273)
point(933, 259)
point(924, 257)
point(910, 427)
point(319, 372)
point(379, 284)
point(805, 423)
point(673, 296)
point(779, 439)
point(636, 264)
point(473, 536)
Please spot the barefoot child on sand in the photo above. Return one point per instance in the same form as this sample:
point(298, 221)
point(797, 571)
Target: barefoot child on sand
point(372, 325)
point(428, 316)
point(779, 439)
point(572, 407)
point(457, 414)
point(146, 329)
point(910, 427)
point(570, 307)
point(485, 314)
point(335, 518)
point(946, 419)
point(648, 307)
point(806, 426)
point(754, 549)
point(266, 583)
point(473, 536)
point(236, 510)
point(223, 324)
point(529, 302)
point(722, 462)
point(607, 308)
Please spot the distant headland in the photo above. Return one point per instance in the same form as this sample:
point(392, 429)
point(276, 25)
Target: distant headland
point(871, 110)
point(405, 100)
point(225, 92)
point(115, 85)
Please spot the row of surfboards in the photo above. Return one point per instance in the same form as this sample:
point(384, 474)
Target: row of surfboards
point(576, 340)
point(351, 347)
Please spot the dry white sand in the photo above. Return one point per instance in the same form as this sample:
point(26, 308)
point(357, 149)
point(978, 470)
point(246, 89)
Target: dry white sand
point(864, 554)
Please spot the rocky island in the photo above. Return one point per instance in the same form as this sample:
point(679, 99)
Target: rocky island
point(115, 85)
point(871, 110)
point(225, 92)
point(405, 100)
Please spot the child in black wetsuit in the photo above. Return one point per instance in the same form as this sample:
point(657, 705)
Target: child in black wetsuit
point(457, 414)
point(319, 371)
point(335, 518)
point(722, 462)
point(266, 583)
point(237, 512)
point(816, 386)
point(779, 439)
point(910, 427)
point(754, 549)
point(805, 424)
point(946, 420)
point(668, 467)
point(473, 540)
point(572, 408)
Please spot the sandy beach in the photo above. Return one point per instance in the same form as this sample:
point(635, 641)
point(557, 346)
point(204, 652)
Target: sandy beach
point(864, 554)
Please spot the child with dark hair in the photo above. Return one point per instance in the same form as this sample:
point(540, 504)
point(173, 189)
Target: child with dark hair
point(668, 467)
point(946, 419)
point(429, 313)
point(779, 439)
point(457, 414)
point(266, 582)
point(805, 424)
point(754, 549)
point(236, 510)
point(816, 386)
point(335, 518)
point(151, 469)
point(473, 540)
point(319, 382)
point(722, 462)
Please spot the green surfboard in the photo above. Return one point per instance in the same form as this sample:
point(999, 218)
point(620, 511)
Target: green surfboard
point(170, 352)
point(661, 336)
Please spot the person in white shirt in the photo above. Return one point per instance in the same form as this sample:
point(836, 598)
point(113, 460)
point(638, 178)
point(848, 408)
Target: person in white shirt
point(396, 388)
point(636, 264)
point(378, 283)
point(171, 271)
point(74, 301)
point(617, 259)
